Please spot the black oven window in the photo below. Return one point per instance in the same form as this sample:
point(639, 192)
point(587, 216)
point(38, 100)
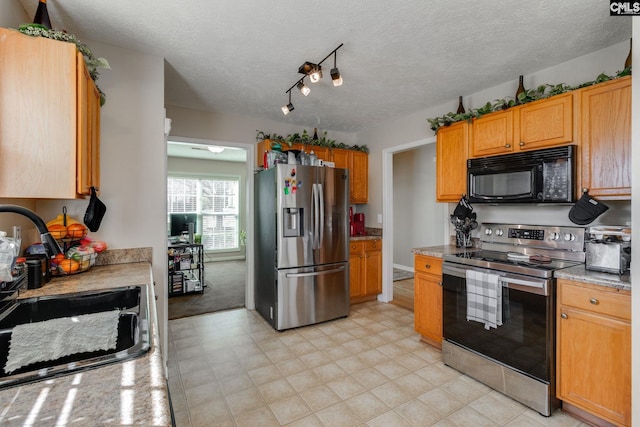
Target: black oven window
point(524, 340)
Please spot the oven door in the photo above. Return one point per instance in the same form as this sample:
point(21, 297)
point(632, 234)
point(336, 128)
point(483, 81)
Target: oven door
point(524, 341)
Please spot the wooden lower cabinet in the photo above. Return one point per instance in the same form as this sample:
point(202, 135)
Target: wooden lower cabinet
point(427, 308)
point(365, 264)
point(594, 350)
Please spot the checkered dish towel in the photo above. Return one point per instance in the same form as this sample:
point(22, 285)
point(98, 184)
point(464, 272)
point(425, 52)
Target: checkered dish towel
point(484, 298)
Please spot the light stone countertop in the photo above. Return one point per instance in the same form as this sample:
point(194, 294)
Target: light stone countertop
point(133, 392)
point(440, 251)
point(368, 237)
point(581, 274)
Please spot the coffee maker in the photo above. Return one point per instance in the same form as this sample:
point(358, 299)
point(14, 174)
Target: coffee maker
point(358, 224)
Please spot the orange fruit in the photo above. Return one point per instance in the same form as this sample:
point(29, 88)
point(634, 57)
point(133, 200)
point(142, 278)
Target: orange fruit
point(68, 266)
point(57, 231)
point(76, 231)
point(57, 259)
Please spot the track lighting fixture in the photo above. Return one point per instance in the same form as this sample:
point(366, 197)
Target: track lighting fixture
point(304, 89)
point(289, 107)
point(314, 72)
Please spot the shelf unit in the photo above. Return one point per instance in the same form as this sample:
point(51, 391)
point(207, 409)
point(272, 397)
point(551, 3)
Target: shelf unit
point(186, 269)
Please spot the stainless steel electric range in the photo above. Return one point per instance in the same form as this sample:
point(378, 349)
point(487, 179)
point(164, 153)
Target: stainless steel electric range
point(499, 308)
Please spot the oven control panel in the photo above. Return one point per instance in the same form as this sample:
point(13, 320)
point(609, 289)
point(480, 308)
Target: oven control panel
point(526, 233)
point(565, 238)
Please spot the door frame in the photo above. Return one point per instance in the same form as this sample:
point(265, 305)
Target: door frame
point(387, 214)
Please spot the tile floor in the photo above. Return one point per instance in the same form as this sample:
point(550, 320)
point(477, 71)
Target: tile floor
point(232, 369)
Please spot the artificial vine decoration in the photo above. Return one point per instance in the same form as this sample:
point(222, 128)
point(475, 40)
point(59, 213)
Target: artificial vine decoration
point(529, 95)
point(305, 138)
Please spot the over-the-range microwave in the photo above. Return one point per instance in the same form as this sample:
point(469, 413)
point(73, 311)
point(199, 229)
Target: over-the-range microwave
point(540, 176)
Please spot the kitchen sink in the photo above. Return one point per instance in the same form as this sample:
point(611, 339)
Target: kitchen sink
point(132, 338)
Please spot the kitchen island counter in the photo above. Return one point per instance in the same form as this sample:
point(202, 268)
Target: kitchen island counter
point(133, 392)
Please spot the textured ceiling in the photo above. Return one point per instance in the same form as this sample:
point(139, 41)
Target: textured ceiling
point(398, 57)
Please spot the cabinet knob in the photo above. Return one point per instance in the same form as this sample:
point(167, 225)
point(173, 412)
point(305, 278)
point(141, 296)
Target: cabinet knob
point(427, 266)
point(564, 316)
point(594, 301)
point(521, 144)
point(507, 146)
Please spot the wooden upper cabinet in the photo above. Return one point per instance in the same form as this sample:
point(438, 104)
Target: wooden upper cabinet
point(540, 124)
point(341, 158)
point(606, 139)
point(451, 162)
point(359, 176)
point(493, 134)
point(47, 119)
point(545, 123)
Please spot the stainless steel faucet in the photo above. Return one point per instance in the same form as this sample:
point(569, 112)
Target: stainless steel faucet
point(50, 244)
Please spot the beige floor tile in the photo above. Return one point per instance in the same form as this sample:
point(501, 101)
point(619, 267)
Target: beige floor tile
point(338, 415)
point(235, 384)
point(303, 348)
point(329, 372)
point(392, 394)
point(389, 418)
point(200, 394)
point(345, 387)
point(320, 397)
point(441, 401)
point(356, 346)
point(412, 362)
point(308, 421)
point(182, 418)
point(391, 369)
point(315, 359)
point(463, 390)
point(258, 417)
point(290, 367)
point(209, 412)
point(244, 401)
point(373, 357)
point(417, 413)
point(438, 374)
point(323, 342)
point(196, 378)
point(498, 407)
point(280, 354)
point(338, 352)
point(370, 378)
point(351, 364)
point(366, 406)
point(468, 416)
point(289, 409)
point(255, 361)
point(276, 390)
point(265, 374)
point(414, 384)
point(304, 380)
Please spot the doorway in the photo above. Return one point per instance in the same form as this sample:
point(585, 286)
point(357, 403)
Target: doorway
point(420, 222)
point(221, 175)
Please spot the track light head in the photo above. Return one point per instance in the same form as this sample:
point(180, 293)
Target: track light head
point(336, 77)
point(287, 109)
point(314, 71)
point(303, 88)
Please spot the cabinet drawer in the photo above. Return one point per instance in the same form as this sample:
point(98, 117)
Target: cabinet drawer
point(605, 302)
point(355, 247)
point(373, 245)
point(428, 264)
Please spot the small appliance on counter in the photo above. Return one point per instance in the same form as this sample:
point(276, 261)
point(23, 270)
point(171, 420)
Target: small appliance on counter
point(608, 249)
point(358, 224)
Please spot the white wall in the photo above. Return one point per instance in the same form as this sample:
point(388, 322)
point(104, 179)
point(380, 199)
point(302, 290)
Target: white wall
point(635, 225)
point(414, 201)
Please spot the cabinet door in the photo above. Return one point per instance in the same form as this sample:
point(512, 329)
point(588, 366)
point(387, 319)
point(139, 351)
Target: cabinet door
point(37, 117)
point(359, 177)
point(606, 139)
point(493, 134)
point(261, 148)
point(451, 162)
point(356, 269)
point(323, 153)
point(373, 259)
point(427, 306)
point(341, 158)
point(545, 123)
point(594, 364)
point(88, 131)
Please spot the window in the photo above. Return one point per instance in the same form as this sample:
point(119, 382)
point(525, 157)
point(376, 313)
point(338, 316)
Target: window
point(215, 201)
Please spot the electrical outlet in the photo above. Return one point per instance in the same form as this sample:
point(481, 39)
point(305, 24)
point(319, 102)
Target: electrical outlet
point(17, 232)
point(379, 218)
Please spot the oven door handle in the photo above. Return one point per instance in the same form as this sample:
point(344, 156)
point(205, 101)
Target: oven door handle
point(527, 283)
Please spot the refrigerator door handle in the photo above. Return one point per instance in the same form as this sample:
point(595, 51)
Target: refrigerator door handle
point(321, 199)
point(316, 215)
point(315, 273)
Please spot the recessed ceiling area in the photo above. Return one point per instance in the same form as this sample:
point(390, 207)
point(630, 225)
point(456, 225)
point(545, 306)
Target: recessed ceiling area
point(201, 151)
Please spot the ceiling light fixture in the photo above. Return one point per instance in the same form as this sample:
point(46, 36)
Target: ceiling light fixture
point(289, 107)
point(303, 88)
point(314, 72)
point(335, 73)
point(215, 149)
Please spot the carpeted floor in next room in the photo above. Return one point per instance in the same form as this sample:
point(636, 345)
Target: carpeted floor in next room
point(225, 289)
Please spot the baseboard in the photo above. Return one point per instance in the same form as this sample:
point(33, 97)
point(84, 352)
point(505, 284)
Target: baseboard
point(404, 267)
point(226, 258)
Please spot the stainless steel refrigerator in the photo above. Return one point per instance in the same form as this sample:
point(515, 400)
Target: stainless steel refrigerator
point(302, 245)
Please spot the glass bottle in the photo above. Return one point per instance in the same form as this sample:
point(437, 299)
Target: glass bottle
point(460, 106)
point(315, 134)
point(42, 15)
point(520, 89)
